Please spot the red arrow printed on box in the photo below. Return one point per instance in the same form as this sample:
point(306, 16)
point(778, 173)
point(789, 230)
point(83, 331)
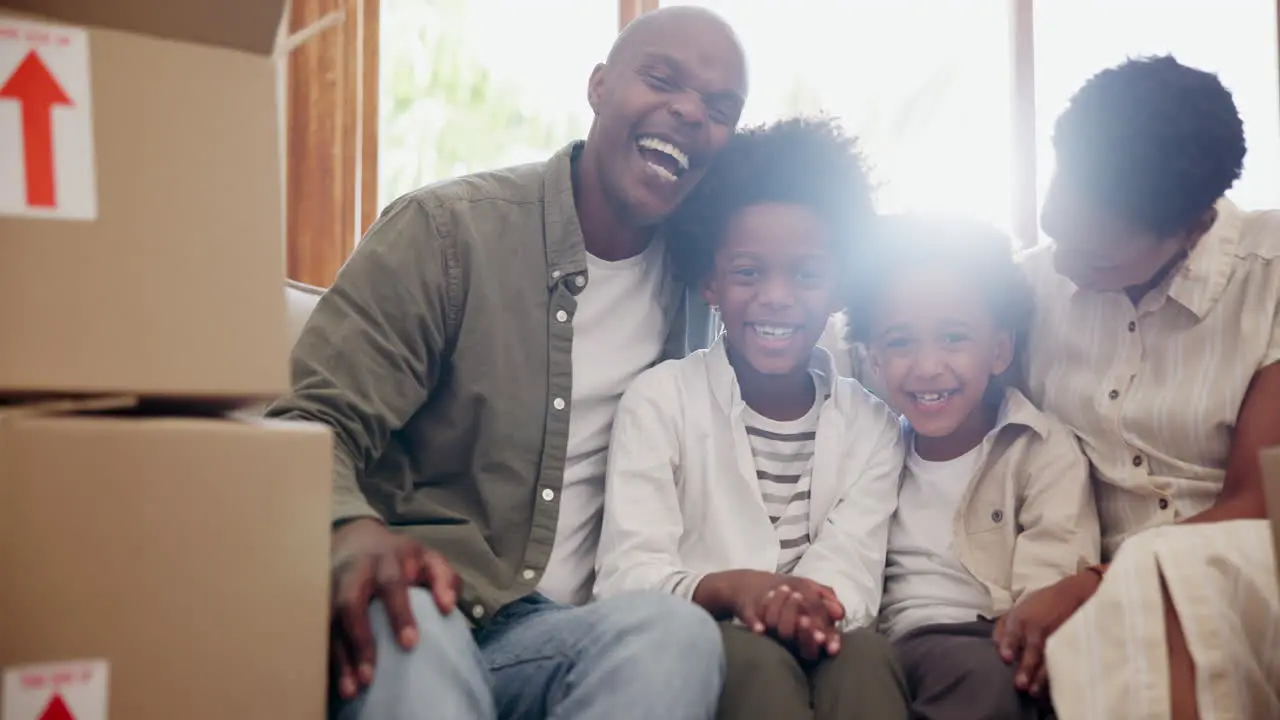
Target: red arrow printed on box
point(57, 710)
point(35, 88)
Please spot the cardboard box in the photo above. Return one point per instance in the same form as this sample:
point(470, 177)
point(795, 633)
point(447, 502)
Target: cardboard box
point(178, 565)
point(141, 232)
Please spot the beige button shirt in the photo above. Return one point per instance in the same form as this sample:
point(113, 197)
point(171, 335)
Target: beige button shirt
point(1153, 391)
point(1026, 519)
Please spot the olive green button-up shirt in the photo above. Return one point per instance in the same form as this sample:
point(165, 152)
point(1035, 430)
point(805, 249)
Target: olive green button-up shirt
point(442, 360)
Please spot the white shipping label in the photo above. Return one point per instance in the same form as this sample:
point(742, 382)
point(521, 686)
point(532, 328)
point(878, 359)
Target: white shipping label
point(47, 167)
point(75, 690)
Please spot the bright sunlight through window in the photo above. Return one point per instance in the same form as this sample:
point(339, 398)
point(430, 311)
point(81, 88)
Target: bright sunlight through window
point(924, 84)
point(469, 85)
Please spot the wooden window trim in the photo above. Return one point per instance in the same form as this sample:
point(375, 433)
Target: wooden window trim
point(629, 10)
point(331, 160)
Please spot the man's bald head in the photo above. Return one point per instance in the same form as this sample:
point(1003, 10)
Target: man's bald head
point(640, 31)
point(665, 101)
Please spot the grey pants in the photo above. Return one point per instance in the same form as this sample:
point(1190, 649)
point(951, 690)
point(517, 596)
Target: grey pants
point(955, 672)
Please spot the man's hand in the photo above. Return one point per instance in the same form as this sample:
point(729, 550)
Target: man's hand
point(370, 561)
point(1021, 634)
point(802, 614)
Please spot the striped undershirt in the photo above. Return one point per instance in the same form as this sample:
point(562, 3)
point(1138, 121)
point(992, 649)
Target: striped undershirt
point(783, 453)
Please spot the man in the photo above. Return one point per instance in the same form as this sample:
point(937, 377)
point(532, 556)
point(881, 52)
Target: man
point(469, 359)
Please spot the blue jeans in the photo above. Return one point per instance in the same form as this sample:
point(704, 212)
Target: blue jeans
point(640, 656)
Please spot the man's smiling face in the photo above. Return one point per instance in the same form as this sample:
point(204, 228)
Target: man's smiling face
point(666, 102)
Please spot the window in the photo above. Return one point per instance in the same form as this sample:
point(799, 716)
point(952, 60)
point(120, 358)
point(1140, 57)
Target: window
point(1235, 38)
point(471, 85)
point(923, 84)
point(954, 101)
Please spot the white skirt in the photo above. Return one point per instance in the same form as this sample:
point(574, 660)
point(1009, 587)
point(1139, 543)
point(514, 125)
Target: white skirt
point(1110, 659)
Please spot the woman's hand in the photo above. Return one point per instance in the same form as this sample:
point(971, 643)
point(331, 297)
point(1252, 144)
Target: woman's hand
point(1022, 633)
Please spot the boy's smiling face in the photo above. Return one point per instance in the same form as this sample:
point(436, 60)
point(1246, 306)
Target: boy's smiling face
point(935, 346)
point(774, 283)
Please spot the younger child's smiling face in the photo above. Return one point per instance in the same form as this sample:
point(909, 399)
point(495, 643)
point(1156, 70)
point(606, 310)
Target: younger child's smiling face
point(774, 283)
point(936, 346)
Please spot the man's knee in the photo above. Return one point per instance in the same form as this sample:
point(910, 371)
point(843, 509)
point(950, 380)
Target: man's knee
point(443, 670)
point(667, 651)
point(433, 626)
point(664, 626)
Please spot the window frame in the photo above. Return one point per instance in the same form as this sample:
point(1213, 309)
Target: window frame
point(331, 140)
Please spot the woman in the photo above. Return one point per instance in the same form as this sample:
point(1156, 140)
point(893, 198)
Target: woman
point(1157, 341)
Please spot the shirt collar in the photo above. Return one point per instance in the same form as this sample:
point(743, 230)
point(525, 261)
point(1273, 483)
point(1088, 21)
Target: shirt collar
point(1199, 281)
point(1017, 411)
point(724, 381)
point(566, 246)
point(562, 233)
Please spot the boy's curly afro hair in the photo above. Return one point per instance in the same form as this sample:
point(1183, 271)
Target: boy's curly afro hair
point(810, 162)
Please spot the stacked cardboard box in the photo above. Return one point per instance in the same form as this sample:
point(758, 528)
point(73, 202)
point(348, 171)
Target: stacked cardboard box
point(158, 559)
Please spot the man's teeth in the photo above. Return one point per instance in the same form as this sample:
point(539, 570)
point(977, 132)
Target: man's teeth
point(775, 332)
point(662, 172)
point(662, 146)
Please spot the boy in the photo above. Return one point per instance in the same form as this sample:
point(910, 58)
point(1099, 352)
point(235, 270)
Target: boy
point(995, 498)
point(749, 478)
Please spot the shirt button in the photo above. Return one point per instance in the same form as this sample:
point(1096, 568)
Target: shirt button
point(1113, 394)
point(580, 281)
point(997, 516)
point(558, 403)
point(528, 574)
point(548, 494)
point(477, 611)
point(1164, 504)
point(1137, 461)
point(561, 316)
point(1133, 326)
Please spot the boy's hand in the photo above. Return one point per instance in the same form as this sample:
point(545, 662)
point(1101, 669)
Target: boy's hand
point(797, 611)
point(738, 593)
point(1021, 634)
point(802, 614)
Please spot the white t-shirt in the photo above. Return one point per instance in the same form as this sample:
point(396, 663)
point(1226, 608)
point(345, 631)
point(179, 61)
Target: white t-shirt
point(924, 582)
point(619, 330)
point(783, 454)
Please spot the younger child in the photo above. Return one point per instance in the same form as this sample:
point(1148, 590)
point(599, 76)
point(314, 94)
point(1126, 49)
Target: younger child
point(749, 478)
point(995, 499)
